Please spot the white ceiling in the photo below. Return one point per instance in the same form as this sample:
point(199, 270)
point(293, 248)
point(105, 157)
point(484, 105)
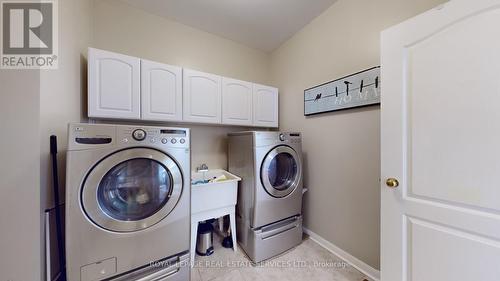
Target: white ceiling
point(261, 24)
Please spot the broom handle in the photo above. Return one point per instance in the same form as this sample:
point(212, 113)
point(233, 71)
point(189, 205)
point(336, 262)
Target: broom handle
point(55, 176)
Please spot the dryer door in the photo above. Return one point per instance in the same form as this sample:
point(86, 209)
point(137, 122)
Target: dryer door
point(281, 171)
point(131, 189)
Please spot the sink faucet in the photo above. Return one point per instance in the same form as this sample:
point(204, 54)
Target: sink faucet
point(202, 168)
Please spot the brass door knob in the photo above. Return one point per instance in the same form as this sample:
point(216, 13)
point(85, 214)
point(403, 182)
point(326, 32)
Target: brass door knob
point(392, 182)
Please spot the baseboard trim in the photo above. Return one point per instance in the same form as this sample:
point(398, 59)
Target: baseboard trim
point(369, 271)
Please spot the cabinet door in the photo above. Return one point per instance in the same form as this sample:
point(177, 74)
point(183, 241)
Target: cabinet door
point(161, 91)
point(236, 102)
point(265, 106)
point(113, 85)
point(202, 97)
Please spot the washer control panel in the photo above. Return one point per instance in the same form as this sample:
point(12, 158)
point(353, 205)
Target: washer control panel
point(171, 137)
point(139, 134)
point(89, 136)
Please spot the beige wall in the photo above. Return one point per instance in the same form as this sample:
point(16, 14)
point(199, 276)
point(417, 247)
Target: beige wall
point(341, 149)
point(61, 97)
point(20, 248)
point(62, 90)
point(122, 28)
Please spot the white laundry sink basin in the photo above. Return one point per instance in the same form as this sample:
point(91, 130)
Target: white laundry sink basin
point(206, 196)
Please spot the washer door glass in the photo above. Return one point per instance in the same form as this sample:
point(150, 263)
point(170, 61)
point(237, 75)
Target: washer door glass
point(131, 189)
point(280, 171)
point(134, 189)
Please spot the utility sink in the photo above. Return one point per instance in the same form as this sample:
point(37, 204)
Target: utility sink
point(212, 190)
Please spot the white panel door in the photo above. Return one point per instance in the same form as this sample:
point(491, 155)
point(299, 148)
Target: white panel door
point(441, 141)
point(236, 102)
point(161, 91)
point(114, 89)
point(265, 106)
point(202, 97)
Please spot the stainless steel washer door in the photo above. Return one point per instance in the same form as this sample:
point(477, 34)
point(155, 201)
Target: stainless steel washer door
point(281, 171)
point(131, 189)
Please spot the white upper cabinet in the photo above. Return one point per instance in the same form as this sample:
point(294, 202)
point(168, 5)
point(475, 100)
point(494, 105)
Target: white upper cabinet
point(125, 87)
point(265, 106)
point(114, 89)
point(237, 102)
point(161, 91)
point(202, 97)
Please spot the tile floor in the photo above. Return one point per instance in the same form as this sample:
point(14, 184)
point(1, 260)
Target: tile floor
point(309, 261)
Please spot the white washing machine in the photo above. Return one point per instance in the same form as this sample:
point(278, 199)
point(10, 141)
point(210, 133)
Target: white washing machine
point(268, 212)
point(127, 203)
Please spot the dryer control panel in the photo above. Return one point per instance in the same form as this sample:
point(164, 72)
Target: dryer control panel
point(290, 137)
point(276, 138)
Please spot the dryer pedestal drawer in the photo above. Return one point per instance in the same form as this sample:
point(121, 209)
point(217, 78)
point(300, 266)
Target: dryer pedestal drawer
point(274, 239)
point(172, 269)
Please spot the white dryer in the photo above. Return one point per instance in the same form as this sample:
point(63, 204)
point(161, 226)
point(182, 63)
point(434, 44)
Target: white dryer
point(127, 203)
point(270, 193)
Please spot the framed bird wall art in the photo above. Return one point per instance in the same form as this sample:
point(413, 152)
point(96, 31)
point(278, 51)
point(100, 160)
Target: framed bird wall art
point(356, 90)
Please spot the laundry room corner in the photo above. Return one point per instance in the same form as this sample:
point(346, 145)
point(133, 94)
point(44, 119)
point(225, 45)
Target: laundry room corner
point(341, 149)
point(212, 140)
